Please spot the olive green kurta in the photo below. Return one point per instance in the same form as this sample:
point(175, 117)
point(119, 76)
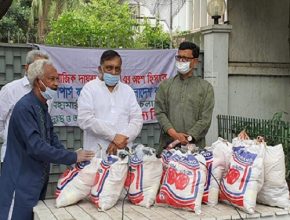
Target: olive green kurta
point(185, 105)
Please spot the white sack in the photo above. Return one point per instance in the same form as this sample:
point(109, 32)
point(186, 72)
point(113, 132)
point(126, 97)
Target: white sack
point(109, 182)
point(275, 189)
point(75, 184)
point(144, 175)
point(183, 183)
point(244, 178)
point(217, 161)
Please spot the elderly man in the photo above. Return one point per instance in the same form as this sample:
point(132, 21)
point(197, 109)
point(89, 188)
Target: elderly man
point(11, 93)
point(108, 111)
point(184, 104)
point(32, 146)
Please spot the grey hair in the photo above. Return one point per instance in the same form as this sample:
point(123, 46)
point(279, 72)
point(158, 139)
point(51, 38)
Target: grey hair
point(36, 70)
point(33, 54)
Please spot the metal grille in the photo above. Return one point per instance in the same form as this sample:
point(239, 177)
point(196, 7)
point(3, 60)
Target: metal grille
point(275, 131)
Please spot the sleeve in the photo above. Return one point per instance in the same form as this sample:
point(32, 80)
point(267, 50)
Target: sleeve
point(135, 119)
point(25, 126)
point(201, 127)
point(54, 138)
point(5, 109)
point(161, 108)
point(87, 119)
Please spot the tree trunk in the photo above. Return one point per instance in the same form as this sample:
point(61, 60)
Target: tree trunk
point(5, 5)
point(43, 21)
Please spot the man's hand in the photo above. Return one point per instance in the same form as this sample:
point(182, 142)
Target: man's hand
point(182, 137)
point(84, 155)
point(120, 141)
point(112, 149)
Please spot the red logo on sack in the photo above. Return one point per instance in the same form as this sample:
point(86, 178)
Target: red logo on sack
point(171, 176)
point(181, 181)
point(232, 176)
point(129, 179)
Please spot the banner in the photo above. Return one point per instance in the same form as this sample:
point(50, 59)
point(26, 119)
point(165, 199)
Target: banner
point(143, 70)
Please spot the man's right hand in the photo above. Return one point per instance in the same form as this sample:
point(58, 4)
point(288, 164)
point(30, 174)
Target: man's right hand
point(112, 149)
point(182, 137)
point(120, 141)
point(84, 155)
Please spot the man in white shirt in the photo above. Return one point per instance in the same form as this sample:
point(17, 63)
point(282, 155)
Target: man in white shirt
point(108, 111)
point(11, 93)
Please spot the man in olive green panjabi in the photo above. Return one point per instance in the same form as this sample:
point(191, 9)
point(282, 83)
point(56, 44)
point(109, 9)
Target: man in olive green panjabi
point(184, 103)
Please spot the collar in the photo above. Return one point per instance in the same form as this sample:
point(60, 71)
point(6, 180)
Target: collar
point(44, 106)
point(25, 81)
point(179, 75)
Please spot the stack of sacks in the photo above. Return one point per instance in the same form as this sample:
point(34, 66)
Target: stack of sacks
point(109, 181)
point(75, 184)
point(217, 162)
point(184, 181)
point(275, 190)
point(143, 179)
point(244, 178)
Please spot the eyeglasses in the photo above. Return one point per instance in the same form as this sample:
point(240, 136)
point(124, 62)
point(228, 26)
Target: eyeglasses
point(184, 59)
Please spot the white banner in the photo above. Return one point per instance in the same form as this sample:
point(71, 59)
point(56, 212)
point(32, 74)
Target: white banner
point(143, 70)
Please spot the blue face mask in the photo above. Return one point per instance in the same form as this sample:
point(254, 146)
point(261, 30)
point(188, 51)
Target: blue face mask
point(111, 80)
point(48, 93)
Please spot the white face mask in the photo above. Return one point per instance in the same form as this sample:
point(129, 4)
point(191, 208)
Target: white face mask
point(182, 67)
point(48, 93)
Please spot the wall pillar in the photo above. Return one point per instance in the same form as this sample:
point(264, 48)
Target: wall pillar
point(216, 44)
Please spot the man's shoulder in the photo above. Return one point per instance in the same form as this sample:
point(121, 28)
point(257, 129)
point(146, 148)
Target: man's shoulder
point(14, 84)
point(204, 83)
point(166, 82)
point(25, 102)
point(91, 84)
point(125, 86)
point(28, 98)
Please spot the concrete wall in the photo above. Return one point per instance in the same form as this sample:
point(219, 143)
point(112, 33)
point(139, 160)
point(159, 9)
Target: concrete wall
point(260, 30)
point(259, 96)
point(259, 63)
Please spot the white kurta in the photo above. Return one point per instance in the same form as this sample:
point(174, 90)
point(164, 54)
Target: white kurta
point(103, 114)
point(9, 95)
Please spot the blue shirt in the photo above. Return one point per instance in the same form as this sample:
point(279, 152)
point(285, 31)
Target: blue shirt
point(31, 147)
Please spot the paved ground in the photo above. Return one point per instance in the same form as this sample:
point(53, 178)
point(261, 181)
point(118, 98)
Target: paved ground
point(86, 211)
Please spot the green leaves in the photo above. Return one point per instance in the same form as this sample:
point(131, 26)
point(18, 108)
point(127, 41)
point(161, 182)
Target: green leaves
point(153, 37)
point(98, 23)
point(93, 23)
point(105, 23)
point(14, 25)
